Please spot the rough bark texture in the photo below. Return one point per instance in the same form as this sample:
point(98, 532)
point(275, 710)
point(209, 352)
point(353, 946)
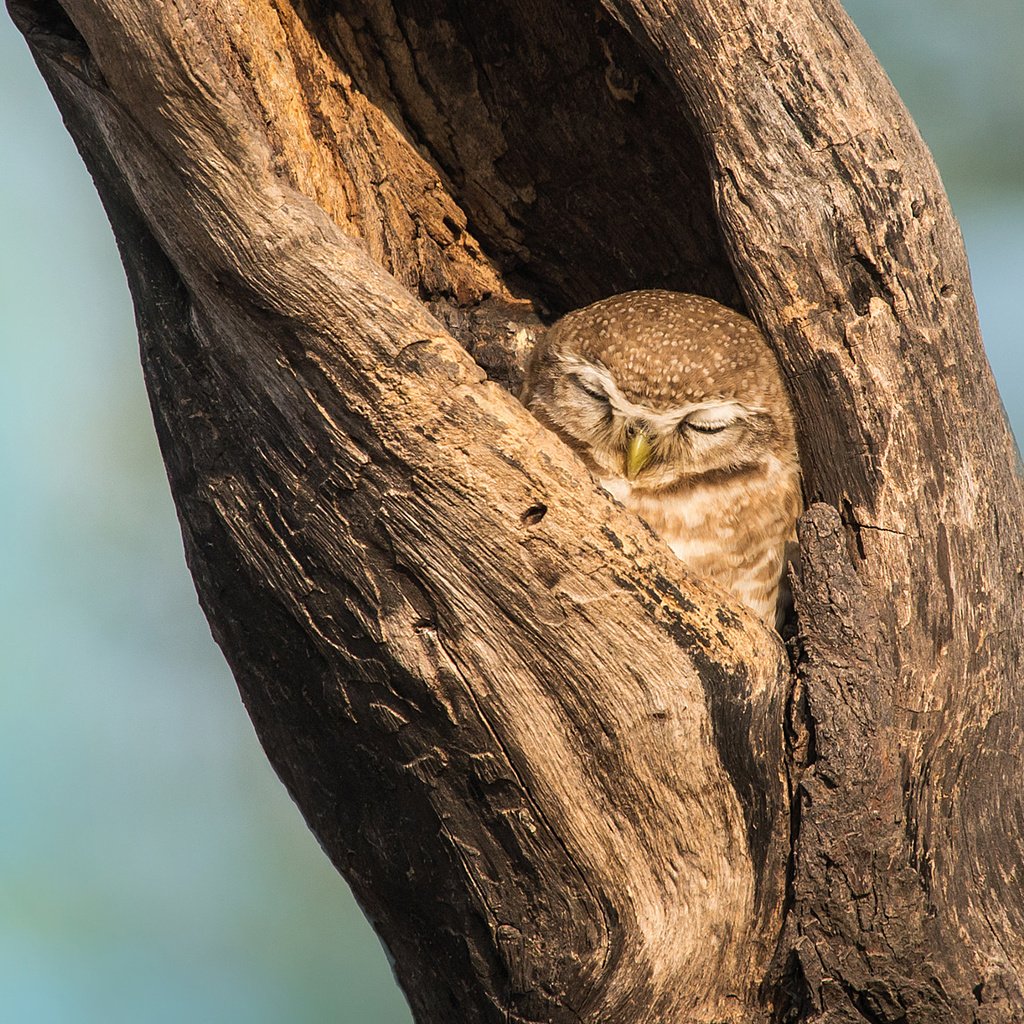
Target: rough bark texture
point(566, 781)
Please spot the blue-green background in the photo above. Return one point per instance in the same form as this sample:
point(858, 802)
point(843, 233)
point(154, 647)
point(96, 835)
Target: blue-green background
point(152, 868)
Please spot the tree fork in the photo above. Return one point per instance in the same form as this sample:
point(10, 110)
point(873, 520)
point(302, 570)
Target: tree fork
point(551, 765)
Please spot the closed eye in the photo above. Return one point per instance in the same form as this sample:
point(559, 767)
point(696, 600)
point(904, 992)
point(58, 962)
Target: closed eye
point(708, 428)
point(591, 391)
point(714, 417)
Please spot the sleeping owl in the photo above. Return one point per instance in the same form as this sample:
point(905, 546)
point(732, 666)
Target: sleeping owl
point(676, 405)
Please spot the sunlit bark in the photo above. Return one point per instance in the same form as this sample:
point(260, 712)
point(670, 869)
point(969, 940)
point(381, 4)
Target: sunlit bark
point(566, 781)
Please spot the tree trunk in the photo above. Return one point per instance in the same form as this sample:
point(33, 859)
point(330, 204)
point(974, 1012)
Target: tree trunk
point(567, 781)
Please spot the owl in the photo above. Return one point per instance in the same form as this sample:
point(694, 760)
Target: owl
point(676, 405)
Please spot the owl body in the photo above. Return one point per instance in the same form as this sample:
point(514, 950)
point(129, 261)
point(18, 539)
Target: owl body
point(676, 405)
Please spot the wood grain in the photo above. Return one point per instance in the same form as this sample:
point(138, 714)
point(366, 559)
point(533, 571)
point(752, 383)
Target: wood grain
point(556, 771)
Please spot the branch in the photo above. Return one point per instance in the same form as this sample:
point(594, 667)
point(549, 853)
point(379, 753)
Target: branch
point(547, 762)
point(847, 251)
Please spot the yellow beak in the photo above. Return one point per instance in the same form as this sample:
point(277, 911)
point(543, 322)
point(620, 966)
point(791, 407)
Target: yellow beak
point(638, 453)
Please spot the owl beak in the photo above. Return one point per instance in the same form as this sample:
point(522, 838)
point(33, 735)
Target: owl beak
point(638, 453)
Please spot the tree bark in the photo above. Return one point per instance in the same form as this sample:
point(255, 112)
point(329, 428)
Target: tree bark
point(567, 781)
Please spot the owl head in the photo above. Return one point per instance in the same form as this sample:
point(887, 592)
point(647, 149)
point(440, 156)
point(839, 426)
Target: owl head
point(661, 388)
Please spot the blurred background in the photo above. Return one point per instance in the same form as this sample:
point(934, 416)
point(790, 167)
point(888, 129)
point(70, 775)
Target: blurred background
point(152, 868)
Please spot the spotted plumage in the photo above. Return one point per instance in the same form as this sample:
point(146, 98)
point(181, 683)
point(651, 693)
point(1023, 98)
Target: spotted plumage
point(677, 406)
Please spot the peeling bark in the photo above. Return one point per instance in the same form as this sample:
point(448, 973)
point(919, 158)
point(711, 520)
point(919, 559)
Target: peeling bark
point(566, 781)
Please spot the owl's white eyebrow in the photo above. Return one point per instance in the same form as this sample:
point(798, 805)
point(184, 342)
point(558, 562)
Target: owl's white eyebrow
point(665, 419)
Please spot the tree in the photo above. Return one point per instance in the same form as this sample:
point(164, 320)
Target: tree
point(566, 781)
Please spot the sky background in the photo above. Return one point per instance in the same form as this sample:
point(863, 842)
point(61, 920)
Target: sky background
point(152, 868)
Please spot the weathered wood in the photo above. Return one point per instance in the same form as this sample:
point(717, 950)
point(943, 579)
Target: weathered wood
point(848, 252)
point(550, 765)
